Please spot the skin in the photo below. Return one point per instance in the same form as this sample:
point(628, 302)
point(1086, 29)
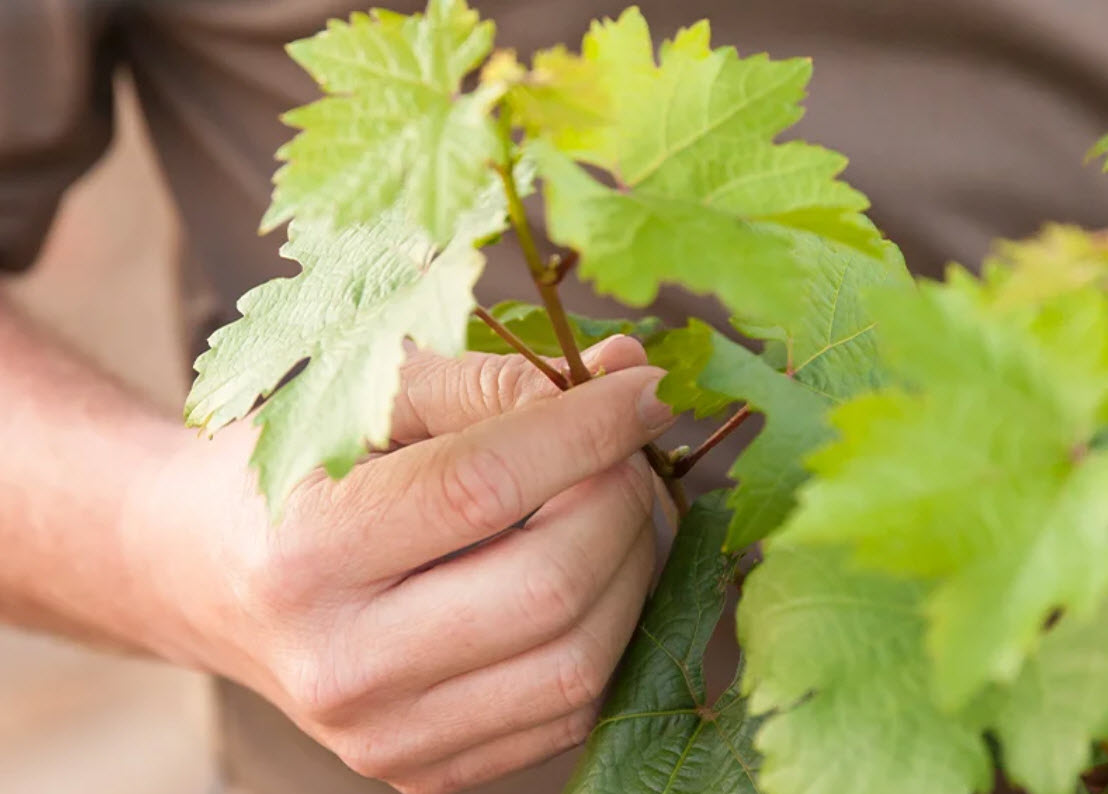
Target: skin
point(360, 616)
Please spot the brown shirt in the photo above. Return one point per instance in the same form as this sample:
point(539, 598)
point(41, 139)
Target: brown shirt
point(964, 120)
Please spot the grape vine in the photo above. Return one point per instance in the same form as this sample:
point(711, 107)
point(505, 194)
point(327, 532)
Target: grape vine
point(929, 489)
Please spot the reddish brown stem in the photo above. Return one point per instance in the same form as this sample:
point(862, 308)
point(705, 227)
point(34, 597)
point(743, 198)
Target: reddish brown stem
point(521, 347)
point(682, 466)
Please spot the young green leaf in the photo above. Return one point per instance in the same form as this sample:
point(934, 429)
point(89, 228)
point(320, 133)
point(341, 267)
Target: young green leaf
point(532, 325)
point(684, 353)
point(561, 98)
point(394, 130)
point(703, 196)
point(980, 472)
point(363, 290)
point(658, 732)
point(838, 654)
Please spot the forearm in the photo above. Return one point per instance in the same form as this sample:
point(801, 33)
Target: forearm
point(75, 449)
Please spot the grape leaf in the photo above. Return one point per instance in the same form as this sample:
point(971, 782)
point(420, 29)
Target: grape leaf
point(830, 350)
point(979, 472)
point(713, 372)
point(828, 644)
point(394, 130)
point(657, 731)
point(1057, 705)
point(684, 353)
point(531, 324)
point(561, 98)
point(838, 652)
point(1099, 150)
point(362, 291)
point(703, 199)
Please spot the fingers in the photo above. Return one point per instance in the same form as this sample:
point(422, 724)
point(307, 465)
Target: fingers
point(470, 485)
point(543, 684)
point(500, 757)
point(515, 594)
point(443, 395)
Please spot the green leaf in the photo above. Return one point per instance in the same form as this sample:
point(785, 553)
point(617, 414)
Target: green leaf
point(703, 197)
point(979, 472)
point(658, 731)
point(393, 130)
point(771, 468)
point(1099, 150)
point(561, 98)
point(532, 325)
point(363, 290)
point(830, 350)
point(1056, 707)
point(838, 653)
point(684, 353)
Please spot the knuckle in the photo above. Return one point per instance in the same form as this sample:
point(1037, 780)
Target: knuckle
point(577, 727)
point(479, 487)
point(310, 684)
point(553, 598)
point(373, 756)
point(582, 676)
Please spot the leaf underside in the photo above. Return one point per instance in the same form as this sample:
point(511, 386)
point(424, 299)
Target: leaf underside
point(362, 292)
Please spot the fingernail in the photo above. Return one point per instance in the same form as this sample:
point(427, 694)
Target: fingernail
point(654, 413)
point(594, 354)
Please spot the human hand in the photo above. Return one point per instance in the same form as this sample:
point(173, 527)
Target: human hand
point(432, 674)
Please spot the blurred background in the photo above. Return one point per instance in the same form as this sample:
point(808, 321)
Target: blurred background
point(74, 721)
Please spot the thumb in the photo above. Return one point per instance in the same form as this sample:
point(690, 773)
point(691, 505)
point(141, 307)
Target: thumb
point(441, 395)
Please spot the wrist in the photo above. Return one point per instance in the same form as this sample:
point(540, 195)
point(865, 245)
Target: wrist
point(178, 532)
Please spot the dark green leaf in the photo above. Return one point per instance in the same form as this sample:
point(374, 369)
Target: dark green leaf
point(658, 732)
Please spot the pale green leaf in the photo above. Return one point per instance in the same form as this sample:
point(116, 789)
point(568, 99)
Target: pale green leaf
point(363, 291)
point(838, 654)
point(532, 325)
point(562, 98)
point(980, 471)
point(393, 130)
point(658, 731)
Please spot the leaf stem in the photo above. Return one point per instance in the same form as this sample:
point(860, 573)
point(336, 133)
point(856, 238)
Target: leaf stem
point(546, 278)
point(521, 347)
point(683, 464)
point(548, 291)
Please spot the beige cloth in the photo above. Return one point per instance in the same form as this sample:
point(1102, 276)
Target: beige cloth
point(964, 119)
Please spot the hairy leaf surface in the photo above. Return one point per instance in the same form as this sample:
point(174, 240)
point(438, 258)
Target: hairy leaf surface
point(658, 732)
point(393, 130)
point(363, 290)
